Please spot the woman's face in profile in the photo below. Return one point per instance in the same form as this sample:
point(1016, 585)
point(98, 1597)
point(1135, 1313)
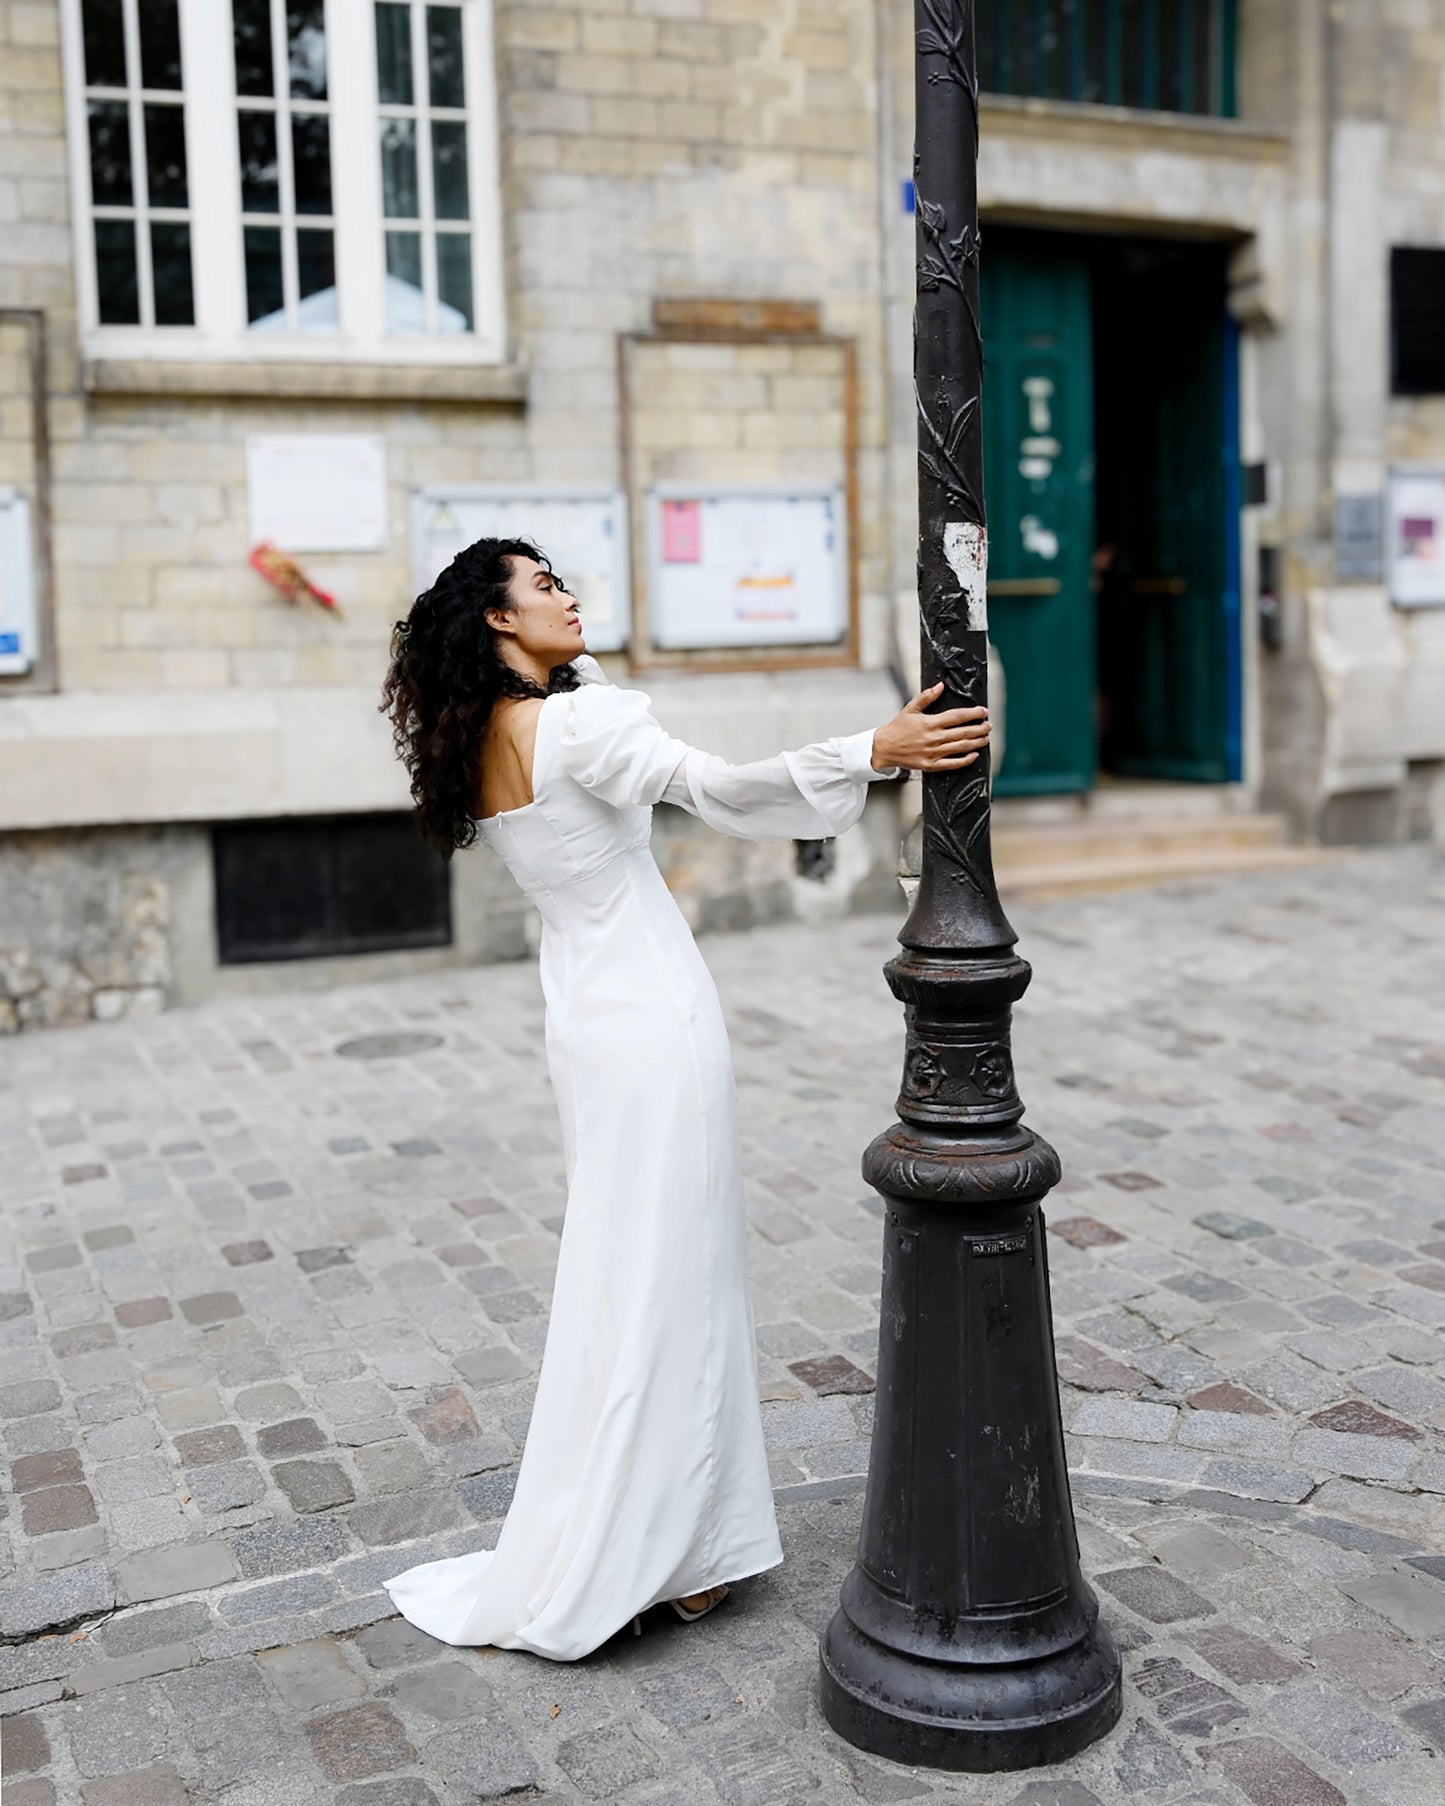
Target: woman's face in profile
point(542, 614)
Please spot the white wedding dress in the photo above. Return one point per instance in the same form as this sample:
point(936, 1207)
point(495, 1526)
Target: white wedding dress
point(644, 1475)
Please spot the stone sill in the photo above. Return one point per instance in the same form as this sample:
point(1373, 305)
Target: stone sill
point(96, 757)
point(268, 380)
point(1130, 128)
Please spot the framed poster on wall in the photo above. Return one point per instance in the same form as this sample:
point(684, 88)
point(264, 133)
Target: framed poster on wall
point(747, 565)
point(1416, 536)
point(18, 624)
point(581, 527)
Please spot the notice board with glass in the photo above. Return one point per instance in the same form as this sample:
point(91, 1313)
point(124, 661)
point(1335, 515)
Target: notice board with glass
point(1415, 535)
point(18, 622)
point(755, 565)
point(582, 529)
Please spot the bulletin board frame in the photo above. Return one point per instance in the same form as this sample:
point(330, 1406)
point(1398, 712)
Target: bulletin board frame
point(429, 495)
point(681, 490)
point(41, 675)
point(728, 322)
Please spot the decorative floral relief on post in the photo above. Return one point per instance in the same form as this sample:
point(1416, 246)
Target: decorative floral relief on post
point(923, 1074)
point(946, 36)
point(956, 830)
point(940, 448)
point(993, 1071)
point(944, 262)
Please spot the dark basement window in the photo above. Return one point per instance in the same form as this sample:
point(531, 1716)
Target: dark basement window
point(318, 885)
point(1417, 321)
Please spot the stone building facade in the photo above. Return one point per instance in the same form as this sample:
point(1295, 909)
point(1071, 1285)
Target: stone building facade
point(680, 252)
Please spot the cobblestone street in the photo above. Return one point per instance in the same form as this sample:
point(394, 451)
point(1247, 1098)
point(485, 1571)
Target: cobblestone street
point(272, 1298)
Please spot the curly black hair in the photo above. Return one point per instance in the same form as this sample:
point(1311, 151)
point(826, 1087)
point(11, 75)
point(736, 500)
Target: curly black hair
point(444, 676)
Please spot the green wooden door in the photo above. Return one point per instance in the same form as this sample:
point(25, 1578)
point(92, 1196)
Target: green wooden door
point(1162, 617)
point(1039, 493)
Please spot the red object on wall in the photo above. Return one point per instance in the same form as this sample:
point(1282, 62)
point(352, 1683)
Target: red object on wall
point(282, 572)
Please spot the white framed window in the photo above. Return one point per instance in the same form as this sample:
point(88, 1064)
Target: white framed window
point(306, 179)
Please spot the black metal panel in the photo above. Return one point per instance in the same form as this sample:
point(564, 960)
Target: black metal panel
point(313, 886)
point(1417, 321)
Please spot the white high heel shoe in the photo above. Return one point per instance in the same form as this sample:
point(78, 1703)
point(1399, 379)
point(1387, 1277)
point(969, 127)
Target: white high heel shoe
point(688, 1617)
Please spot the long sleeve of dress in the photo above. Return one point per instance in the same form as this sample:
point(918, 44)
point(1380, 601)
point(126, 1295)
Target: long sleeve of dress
point(612, 744)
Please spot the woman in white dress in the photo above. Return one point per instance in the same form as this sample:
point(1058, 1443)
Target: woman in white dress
point(644, 1478)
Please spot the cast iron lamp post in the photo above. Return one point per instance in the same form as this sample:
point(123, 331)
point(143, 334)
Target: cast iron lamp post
point(966, 1636)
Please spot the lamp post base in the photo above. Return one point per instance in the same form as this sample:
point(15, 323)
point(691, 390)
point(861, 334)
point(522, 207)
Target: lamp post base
point(953, 1716)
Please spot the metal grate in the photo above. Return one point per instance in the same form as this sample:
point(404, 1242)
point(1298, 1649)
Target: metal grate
point(306, 888)
point(1173, 56)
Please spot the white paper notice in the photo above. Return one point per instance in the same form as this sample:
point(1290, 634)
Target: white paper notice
point(965, 546)
point(317, 492)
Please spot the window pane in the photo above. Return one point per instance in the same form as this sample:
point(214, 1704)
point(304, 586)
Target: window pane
point(454, 281)
point(166, 155)
point(110, 183)
point(405, 302)
point(1096, 50)
point(1171, 56)
point(260, 181)
point(449, 168)
point(160, 43)
point(316, 272)
point(1131, 36)
point(985, 42)
point(171, 272)
point(398, 169)
point(1056, 50)
point(311, 160)
point(306, 42)
point(265, 297)
point(1018, 48)
point(393, 54)
point(444, 56)
point(115, 276)
point(1203, 99)
point(252, 36)
point(100, 23)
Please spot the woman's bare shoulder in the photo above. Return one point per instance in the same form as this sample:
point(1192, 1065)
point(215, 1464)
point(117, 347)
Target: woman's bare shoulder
point(514, 718)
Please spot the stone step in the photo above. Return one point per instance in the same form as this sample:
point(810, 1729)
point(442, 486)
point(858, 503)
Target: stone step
point(1037, 879)
point(1130, 797)
point(1107, 839)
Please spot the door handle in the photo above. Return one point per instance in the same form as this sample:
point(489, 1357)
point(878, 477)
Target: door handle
point(1024, 586)
point(1157, 586)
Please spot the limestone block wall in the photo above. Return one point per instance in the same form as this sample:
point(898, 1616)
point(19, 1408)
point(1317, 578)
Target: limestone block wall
point(713, 147)
point(647, 148)
point(1354, 702)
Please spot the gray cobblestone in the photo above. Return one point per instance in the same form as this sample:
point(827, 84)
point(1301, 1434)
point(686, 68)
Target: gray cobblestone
point(1128, 1419)
point(183, 1568)
point(43, 1604)
point(393, 1339)
point(125, 1728)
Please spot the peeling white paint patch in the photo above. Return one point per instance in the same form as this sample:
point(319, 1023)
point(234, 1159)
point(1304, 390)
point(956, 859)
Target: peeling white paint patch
point(965, 546)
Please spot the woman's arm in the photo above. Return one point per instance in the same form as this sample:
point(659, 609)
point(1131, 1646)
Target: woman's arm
point(613, 745)
point(808, 794)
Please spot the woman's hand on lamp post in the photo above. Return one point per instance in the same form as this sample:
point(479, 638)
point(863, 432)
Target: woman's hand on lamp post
point(921, 742)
